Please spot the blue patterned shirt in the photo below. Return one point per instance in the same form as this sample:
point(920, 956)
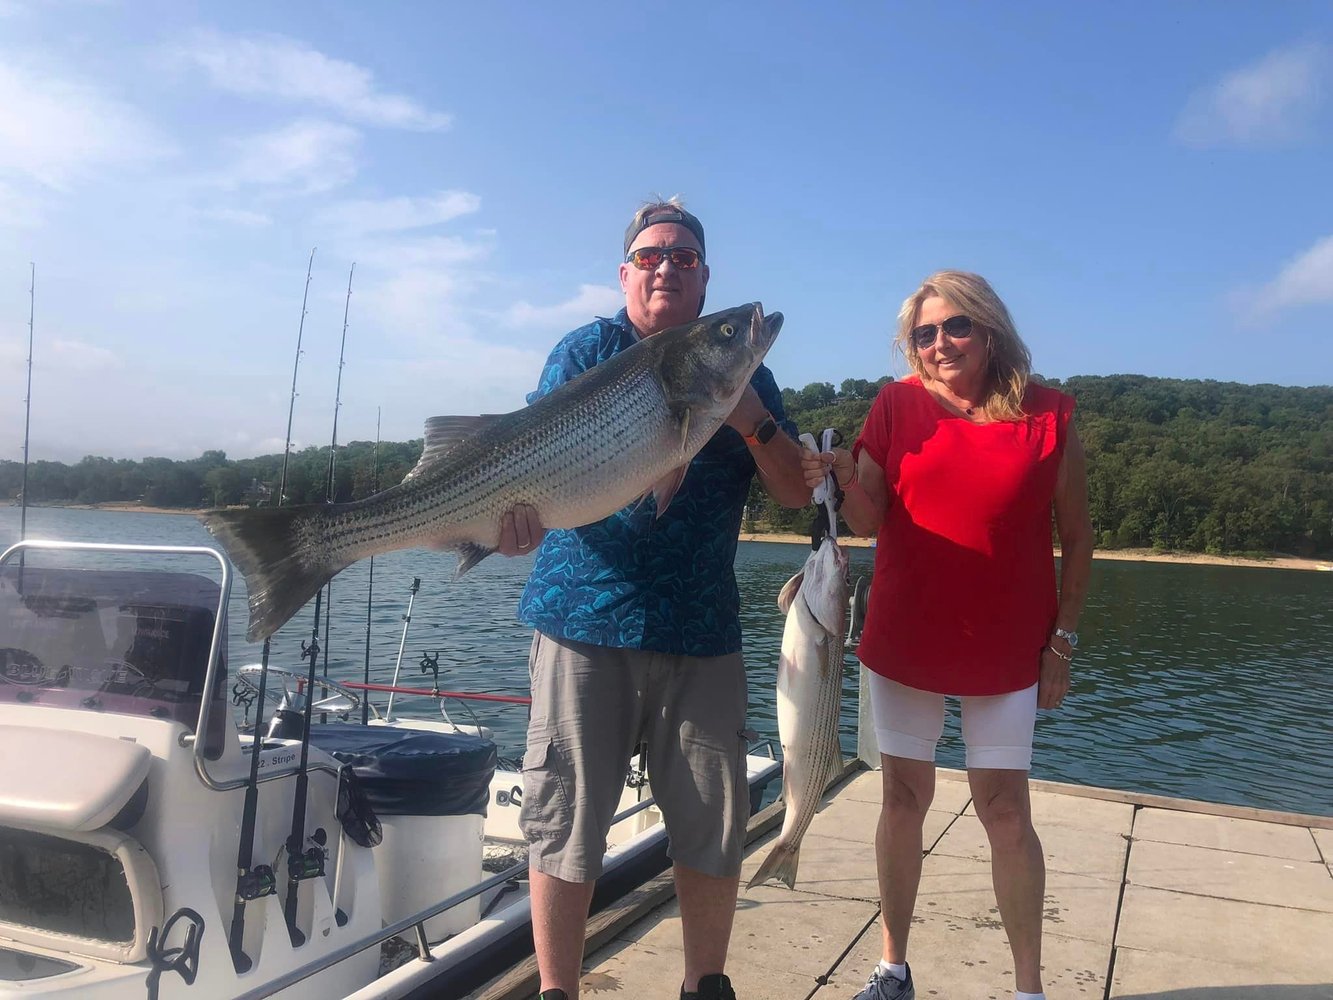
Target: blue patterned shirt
point(635, 580)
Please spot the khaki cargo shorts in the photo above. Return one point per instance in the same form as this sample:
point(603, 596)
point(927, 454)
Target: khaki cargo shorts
point(591, 706)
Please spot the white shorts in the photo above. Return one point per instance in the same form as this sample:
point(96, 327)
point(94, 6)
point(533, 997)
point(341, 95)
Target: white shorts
point(997, 729)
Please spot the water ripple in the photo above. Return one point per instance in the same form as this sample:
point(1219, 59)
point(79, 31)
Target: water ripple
point(1194, 681)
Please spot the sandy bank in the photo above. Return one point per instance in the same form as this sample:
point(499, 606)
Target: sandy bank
point(1134, 555)
point(137, 508)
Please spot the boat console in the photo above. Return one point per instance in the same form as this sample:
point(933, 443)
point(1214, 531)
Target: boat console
point(148, 847)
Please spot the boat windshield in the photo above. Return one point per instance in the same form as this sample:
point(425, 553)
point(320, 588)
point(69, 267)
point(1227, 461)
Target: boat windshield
point(119, 641)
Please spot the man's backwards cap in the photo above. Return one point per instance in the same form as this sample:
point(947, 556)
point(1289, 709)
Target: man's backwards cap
point(657, 216)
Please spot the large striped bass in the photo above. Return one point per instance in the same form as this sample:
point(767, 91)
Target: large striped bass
point(809, 696)
point(625, 428)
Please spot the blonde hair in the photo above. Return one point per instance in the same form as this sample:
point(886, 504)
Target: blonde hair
point(1010, 362)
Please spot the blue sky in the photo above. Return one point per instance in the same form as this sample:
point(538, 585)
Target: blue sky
point(1147, 185)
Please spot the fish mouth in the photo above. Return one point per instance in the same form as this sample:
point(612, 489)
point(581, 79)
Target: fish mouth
point(764, 329)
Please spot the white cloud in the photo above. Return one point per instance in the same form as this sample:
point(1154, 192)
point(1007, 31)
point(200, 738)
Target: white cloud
point(591, 300)
point(1306, 280)
point(288, 70)
point(1272, 100)
point(58, 131)
point(359, 217)
point(413, 301)
point(311, 156)
point(20, 211)
point(426, 253)
point(237, 217)
point(79, 356)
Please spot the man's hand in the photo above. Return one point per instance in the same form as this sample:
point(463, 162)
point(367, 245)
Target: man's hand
point(748, 414)
point(521, 531)
point(816, 465)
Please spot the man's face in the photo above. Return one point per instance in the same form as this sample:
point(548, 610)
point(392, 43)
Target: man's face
point(667, 295)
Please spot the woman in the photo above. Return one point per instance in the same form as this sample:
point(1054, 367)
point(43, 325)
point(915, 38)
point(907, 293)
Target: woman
point(957, 471)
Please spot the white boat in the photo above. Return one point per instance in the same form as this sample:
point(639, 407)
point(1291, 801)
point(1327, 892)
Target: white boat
point(151, 847)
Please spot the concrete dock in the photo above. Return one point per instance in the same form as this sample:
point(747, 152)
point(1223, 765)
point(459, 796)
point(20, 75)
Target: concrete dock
point(1145, 897)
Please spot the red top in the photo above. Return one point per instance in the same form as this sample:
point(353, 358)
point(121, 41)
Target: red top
point(964, 594)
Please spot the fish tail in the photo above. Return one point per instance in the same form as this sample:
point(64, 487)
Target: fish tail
point(780, 864)
point(280, 571)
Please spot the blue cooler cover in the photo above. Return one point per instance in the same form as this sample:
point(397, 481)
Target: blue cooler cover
point(411, 772)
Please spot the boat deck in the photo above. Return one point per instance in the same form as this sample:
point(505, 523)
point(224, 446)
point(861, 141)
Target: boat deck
point(1145, 897)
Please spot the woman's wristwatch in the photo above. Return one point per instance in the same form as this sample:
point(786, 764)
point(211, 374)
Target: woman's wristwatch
point(1067, 636)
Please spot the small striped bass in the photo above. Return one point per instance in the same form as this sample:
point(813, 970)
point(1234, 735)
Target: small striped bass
point(809, 697)
point(623, 429)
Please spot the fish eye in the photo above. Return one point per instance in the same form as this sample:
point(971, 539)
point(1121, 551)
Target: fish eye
point(726, 329)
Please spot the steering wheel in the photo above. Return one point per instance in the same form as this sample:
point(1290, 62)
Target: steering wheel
point(338, 699)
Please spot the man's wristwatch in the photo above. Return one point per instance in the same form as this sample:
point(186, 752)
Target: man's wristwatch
point(763, 433)
point(1067, 636)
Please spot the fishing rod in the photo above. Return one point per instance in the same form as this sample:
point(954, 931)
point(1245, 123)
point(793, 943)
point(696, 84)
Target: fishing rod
point(370, 587)
point(257, 881)
point(291, 408)
point(306, 863)
point(330, 482)
point(303, 863)
point(27, 415)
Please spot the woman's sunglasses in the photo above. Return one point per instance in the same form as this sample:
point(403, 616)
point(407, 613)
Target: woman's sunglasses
point(956, 327)
point(650, 258)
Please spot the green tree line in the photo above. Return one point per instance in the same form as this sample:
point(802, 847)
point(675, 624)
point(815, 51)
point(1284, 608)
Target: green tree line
point(1173, 464)
point(1182, 465)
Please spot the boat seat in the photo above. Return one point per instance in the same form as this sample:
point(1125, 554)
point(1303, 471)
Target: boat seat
point(82, 782)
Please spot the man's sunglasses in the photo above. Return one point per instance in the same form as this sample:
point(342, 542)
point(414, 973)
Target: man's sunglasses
point(956, 327)
point(650, 258)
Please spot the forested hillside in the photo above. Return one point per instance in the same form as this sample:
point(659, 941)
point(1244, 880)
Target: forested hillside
point(1173, 464)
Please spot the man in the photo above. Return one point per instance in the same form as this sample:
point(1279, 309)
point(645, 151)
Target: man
point(637, 639)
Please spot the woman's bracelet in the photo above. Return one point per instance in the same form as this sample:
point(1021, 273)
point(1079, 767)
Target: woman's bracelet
point(1068, 658)
point(856, 474)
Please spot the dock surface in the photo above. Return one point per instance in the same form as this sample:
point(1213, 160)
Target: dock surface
point(1146, 897)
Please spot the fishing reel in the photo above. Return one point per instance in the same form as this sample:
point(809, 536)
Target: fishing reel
point(308, 864)
point(857, 604)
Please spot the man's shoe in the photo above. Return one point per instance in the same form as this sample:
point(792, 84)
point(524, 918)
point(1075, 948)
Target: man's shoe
point(552, 995)
point(883, 986)
point(714, 987)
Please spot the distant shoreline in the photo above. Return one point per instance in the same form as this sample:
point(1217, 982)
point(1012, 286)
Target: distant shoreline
point(1123, 555)
point(1127, 555)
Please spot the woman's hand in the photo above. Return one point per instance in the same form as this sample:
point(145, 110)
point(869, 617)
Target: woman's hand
point(1053, 681)
point(521, 531)
point(816, 465)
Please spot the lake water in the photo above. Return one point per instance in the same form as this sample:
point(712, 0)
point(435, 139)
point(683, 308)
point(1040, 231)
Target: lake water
point(1205, 682)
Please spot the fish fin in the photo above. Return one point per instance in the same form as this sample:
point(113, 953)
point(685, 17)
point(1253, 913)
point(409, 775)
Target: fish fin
point(685, 431)
point(665, 488)
point(443, 435)
point(789, 590)
point(279, 575)
point(469, 554)
point(780, 864)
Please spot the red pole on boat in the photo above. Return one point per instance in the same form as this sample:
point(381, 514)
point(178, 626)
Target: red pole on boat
point(510, 699)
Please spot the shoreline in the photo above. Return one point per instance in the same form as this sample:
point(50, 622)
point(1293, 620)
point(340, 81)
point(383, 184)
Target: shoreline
point(1118, 555)
point(1123, 555)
